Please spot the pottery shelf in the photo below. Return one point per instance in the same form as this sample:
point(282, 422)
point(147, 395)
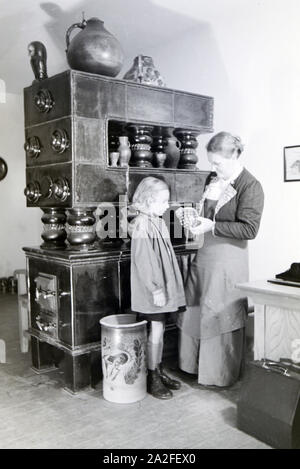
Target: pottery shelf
point(147, 146)
point(69, 119)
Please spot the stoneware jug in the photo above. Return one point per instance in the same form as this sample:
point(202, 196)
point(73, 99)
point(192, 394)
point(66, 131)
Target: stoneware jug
point(172, 149)
point(94, 49)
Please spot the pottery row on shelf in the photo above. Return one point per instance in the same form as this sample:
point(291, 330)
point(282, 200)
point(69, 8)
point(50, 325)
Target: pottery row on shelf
point(143, 150)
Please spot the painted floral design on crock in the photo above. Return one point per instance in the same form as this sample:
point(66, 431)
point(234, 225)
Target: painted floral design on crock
point(126, 361)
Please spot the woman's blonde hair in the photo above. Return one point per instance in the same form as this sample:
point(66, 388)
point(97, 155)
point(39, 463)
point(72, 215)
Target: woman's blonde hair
point(147, 188)
point(226, 144)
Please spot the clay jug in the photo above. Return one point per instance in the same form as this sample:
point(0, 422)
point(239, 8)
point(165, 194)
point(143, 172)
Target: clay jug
point(171, 148)
point(94, 49)
point(124, 151)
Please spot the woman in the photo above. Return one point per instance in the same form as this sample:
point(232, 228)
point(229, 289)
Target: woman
point(212, 329)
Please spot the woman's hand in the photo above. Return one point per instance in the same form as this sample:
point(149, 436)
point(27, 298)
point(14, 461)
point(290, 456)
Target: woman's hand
point(206, 225)
point(188, 216)
point(159, 298)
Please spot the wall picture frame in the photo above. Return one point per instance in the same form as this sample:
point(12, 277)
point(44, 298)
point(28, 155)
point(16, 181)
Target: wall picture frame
point(291, 156)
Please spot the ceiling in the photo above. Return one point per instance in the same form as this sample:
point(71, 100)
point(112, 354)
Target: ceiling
point(140, 26)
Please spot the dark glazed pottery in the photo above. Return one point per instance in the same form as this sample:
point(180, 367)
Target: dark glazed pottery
point(38, 60)
point(94, 49)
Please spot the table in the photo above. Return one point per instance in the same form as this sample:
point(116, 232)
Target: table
point(276, 319)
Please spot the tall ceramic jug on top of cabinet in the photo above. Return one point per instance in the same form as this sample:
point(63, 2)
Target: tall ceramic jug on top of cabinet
point(94, 49)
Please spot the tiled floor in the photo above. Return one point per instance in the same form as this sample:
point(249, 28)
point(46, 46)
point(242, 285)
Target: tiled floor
point(35, 411)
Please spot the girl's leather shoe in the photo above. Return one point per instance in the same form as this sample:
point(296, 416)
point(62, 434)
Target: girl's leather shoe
point(167, 381)
point(155, 387)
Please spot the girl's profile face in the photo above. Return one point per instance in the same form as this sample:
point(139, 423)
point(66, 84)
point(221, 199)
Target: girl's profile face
point(159, 203)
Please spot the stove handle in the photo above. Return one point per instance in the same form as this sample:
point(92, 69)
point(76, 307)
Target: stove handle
point(39, 292)
point(64, 293)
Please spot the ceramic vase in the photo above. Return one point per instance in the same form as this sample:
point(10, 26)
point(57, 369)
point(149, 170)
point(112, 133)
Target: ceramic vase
point(172, 150)
point(143, 71)
point(124, 151)
point(114, 158)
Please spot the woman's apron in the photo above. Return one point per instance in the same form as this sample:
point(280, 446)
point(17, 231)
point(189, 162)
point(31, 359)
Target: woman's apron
point(215, 305)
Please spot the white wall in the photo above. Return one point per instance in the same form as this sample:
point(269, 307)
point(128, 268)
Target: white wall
point(19, 226)
point(245, 54)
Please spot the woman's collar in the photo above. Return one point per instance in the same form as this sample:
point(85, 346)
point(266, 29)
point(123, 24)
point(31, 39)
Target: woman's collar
point(233, 176)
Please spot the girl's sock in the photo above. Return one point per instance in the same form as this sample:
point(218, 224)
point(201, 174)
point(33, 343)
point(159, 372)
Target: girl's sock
point(155, 344)
point(154, 352)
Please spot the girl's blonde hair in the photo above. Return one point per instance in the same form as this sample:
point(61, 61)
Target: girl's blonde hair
point(147, 188)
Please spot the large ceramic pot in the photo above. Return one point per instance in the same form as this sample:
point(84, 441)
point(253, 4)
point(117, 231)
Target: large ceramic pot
point(94, 49)
point(123, 346)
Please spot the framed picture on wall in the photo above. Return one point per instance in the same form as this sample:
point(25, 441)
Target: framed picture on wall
point(291, 163)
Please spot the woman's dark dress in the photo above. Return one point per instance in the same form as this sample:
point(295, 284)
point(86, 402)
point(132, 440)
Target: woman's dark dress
point(212, 328)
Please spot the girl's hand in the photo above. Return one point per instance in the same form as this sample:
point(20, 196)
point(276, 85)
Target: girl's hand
point(159, 298)
point(206, 225)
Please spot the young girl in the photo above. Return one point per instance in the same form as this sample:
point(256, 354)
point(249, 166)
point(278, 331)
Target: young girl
point(156, 283)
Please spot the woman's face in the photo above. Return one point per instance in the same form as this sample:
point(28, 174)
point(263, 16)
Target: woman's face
point(224, 167)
